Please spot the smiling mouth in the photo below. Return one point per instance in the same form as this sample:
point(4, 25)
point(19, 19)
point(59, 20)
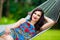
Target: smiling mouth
point(35, 18)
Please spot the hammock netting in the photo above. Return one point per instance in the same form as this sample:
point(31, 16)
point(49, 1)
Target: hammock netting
point(51, 9)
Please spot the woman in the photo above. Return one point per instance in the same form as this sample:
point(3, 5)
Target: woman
point(25, 29)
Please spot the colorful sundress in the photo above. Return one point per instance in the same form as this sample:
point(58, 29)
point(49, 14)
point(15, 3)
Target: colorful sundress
point(24, 32)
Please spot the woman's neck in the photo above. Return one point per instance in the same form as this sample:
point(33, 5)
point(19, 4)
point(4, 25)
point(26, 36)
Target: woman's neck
point(32, 22)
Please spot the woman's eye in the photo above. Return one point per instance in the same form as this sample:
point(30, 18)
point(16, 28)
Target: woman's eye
point(38, 15)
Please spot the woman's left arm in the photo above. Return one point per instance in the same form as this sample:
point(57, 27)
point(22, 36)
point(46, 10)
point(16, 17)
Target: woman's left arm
point(48, 24)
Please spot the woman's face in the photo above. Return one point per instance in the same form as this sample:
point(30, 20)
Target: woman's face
point(36, 15)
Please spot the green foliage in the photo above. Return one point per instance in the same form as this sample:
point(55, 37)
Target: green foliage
point(5, 20)
point(37, 2)
point(18, 10)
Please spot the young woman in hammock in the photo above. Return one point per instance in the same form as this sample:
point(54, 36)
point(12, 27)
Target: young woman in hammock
point(25, 29)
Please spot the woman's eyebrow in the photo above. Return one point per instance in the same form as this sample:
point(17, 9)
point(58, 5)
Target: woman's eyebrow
point(34, 13)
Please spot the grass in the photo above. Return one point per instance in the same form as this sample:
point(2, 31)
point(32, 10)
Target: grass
point(49, 35)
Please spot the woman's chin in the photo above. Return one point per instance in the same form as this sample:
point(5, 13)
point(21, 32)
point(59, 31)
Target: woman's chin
point(34, 20)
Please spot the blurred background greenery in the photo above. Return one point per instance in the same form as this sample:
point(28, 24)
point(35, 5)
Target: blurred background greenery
point(12, 10)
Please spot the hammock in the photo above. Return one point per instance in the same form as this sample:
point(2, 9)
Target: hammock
point(51, 9)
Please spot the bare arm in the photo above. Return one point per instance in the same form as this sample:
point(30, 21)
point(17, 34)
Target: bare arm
point(17, 24)
point(49, 23)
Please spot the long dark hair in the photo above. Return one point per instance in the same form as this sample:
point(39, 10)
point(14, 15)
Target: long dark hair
point(41, 20)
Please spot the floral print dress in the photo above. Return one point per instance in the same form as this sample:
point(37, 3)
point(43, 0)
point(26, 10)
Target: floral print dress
point(24, 32)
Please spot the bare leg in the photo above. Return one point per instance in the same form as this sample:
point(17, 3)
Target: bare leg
point(6, 37)
point(1, 38)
